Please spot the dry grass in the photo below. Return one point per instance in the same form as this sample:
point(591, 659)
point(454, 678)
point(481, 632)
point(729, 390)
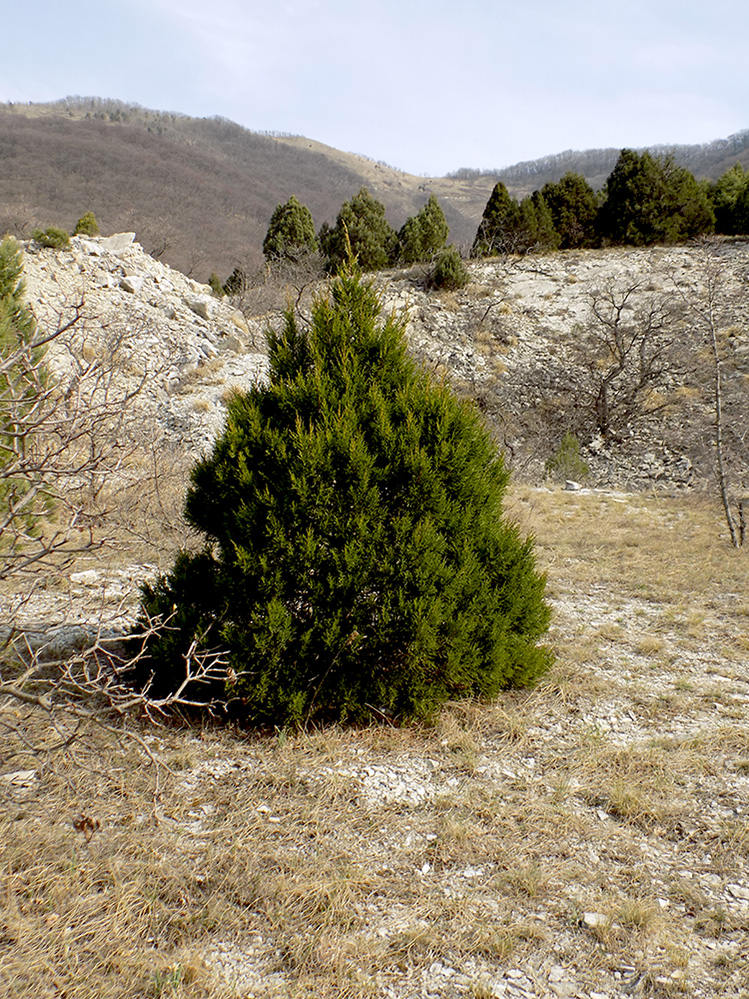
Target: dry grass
point(360, 863)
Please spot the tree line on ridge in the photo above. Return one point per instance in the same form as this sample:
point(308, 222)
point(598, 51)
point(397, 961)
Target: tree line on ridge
point(646, 199)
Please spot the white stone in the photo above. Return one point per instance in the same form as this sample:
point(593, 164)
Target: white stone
point(202, 305)
point(118, 243)
point(19, 778)
point(132, 283)
point(739, 891)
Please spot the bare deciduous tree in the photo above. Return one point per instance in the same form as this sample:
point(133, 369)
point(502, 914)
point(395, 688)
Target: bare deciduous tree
point(718, 317)
point(622, 362)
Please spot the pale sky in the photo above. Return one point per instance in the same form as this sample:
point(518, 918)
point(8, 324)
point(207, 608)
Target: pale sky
point(428, 86)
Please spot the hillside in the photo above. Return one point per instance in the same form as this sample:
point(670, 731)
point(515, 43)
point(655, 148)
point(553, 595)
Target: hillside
point(707, 162)
point(521, 340)
point(199, 192)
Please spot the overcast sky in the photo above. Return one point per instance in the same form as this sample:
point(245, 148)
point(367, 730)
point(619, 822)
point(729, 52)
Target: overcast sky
point(425, 85)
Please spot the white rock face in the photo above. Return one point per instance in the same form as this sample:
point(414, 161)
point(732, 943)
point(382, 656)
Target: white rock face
point(118, 243)
point(170, 338)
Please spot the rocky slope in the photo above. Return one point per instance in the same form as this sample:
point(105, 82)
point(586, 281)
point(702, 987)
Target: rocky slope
point(511, 340)
point(158, 328)
point(523, 341)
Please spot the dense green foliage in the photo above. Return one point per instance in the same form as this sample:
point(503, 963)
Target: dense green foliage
point(535, 229)
point(214, 282)
point(645, 200)
point(573, 207)
point(52, 236)
point(361, 228)
point(236, 283)
point(17, 321)
point(741, 210)
point(19, 378)
point(497, 232)
point(291, 233)
point(423, 235)
point(730, 200)
point(449, 271)
point(357, 562)
point(649, 200)
point(86, 225)
point(509, 227)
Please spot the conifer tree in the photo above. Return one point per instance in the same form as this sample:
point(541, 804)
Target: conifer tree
point(649, 200)
point(686, 208)
point(573, 206)
point(500, 225)
point(423, 235)
point(725, 195)
point(361, 226)
point(535, 228)
point(741, 210)
point(214, 282)
point(291, 233)
point(449, 271)
point(236, 283)
point(86, 225)
point(357, 562)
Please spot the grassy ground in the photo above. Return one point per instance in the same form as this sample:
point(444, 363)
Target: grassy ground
point(588, 837)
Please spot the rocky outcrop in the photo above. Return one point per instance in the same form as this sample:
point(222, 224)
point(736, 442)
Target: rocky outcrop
point(508, 341)
point(162, 331)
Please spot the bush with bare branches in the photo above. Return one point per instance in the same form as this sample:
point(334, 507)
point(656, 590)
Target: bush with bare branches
point(72, 445)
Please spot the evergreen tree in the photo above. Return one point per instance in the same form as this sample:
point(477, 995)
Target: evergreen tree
point(236, 283)
point(291, 233)
point(86, 225)
point(357, 559)
point(17, 321)
point(423, 236)
point(449, 271)
point(327, 240)
point(628, 213)
point(741, 210)
point(686, 208)
point(650, 201)
point(573, 207)
point(20, 372)
point(535, 227)
point(361, 226)
point(409, 241)
point(547, 238)
point(215, 285)
point(53, 237)
point(500, 224)
point(724, 196)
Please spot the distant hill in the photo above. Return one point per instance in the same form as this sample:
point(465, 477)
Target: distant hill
point(707, 161)
point(199, 192)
